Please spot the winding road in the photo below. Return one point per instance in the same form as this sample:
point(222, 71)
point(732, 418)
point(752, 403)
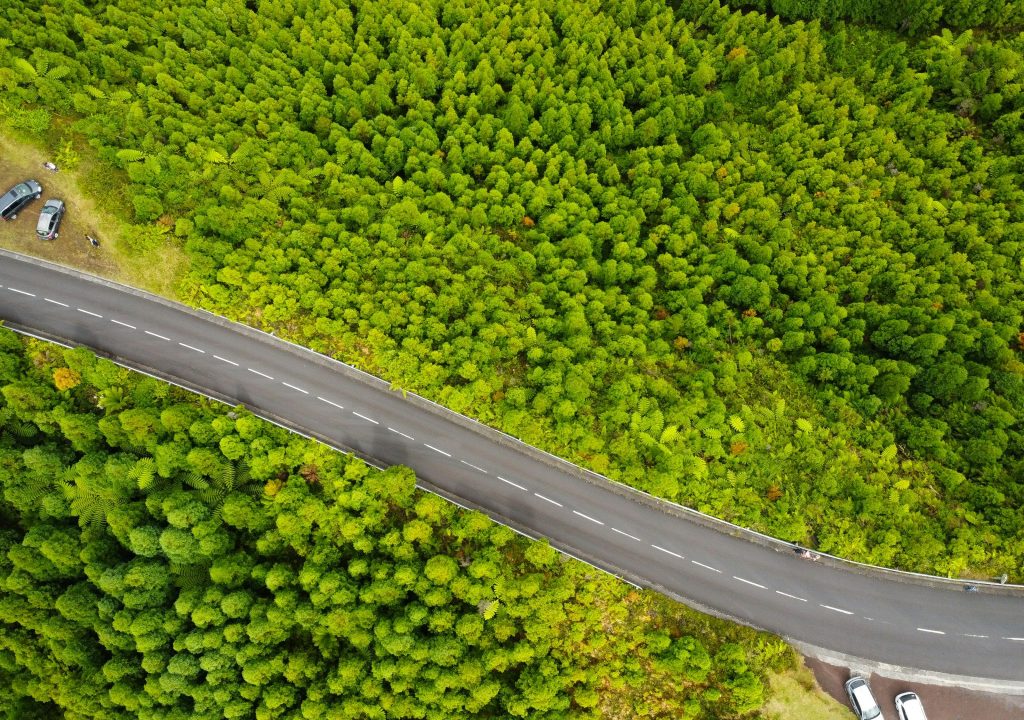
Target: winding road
point(881, 617)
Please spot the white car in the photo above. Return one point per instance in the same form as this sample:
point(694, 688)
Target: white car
point(909, 706)
point(864, 705)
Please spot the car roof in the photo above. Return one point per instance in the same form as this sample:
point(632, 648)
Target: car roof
point(864, 697)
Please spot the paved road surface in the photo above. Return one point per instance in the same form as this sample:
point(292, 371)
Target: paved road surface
point(901, 622)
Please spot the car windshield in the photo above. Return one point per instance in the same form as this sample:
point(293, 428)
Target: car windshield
point(20, 189)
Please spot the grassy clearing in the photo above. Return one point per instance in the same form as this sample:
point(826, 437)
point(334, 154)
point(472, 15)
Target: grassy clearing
point(795, 694)
point(96, 205)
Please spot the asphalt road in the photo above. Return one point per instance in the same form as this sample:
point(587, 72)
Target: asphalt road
point(880, 617)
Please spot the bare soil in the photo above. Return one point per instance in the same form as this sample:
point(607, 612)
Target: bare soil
point(18, 164)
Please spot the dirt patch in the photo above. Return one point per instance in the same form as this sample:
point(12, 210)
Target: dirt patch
point(70, 247)
point(157, 270)
point(940, 702)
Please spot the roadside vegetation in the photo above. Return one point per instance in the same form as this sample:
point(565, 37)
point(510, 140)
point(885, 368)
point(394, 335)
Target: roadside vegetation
point(162, 557)
point(760, 268)
point(768, 268)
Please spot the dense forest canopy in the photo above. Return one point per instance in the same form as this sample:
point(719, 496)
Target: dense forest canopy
point(163, 558)
point(768, 269)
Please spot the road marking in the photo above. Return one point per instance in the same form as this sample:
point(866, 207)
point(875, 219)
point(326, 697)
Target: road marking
point(668, 552)
point(749, 582)
point(322, 399)
point(868, 619)
point(298, 389)
point(1015, 639)
point(229, 362)
point(706, 567)
point(21, 292)
point(587, 517)
point(474, 466)
point(399, 432)
point(515, 485)
point(933, 632)
point(978, 636)
point(626, 534)
point(89, 312)
point(123, 323)
point(438, 450)
point(56, 302)
point(794, 597)
point(838, 610)
point(548, 500)
point(157, 336)
point(368, 419)
point(190, 347)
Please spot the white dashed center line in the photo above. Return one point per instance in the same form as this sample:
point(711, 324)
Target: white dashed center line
point(749, 582)
point(706, 567)
point(587, 517)
point(21, 292)
point(473, 466)
point(257, 372)
point(509, 482)
point(438, 450)
point(933, 632)
point(56, 302)
point(977, 636)
point(633, 537)
point(157, 336)
point(229, 362)
point(399, 432)
point(192, 348)
point(297, 389)
point(835, 609)
point(90, 312)
point(366, 418)
point(334, 404)
point(668, 552)
point(794, 597)
point(548, 500)
point(1014, 639)
point(118, 322)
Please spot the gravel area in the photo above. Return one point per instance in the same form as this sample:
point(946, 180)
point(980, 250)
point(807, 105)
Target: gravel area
point(940, 702)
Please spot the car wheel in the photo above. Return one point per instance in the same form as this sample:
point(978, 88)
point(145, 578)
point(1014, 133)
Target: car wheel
point(13, 217)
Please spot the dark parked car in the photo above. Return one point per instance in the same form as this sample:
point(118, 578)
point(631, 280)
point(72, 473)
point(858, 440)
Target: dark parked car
point(18, 197)
point(864, 705)
point(49, 219)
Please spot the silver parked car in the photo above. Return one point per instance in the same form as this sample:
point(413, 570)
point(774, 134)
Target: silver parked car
point(863, 701)
point(18, 197)
point(909, 707)
point(49, 219)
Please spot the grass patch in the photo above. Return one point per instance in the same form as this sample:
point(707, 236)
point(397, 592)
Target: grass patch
point(795, 694)
point(96, 200)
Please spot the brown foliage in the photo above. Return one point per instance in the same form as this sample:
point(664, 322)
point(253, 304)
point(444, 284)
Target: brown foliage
point(66, 378)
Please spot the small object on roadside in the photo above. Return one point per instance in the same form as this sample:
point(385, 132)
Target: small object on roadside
point(970, 588)
point(50, 166)
point(92, 241)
